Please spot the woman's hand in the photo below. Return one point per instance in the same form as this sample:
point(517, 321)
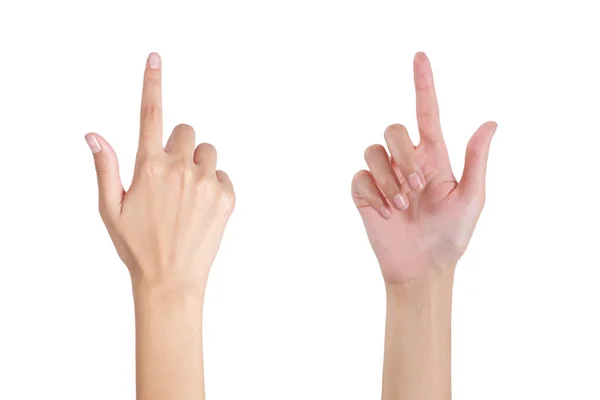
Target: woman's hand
point(168, 225)
point(417, 216)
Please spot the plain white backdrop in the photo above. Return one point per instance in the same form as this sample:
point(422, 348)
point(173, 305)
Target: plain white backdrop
point(291, 93)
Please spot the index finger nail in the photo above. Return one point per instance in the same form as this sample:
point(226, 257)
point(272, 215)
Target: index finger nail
point(154, 61)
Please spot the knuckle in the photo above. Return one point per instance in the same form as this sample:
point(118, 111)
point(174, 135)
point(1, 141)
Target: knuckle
point(223, 198)
point(152, 78)
point(428, 115)
point(151, 111)
point(478, 199)
point(142, 156)
point(389, 184)
point(102, 169)
point(374, 199)
point(182, 168)
point(208, 148)
point(394, 129)
point(476, 155)
point(184, 128)
point(361, 175)
point(151, 165)
point(476, 149)
point(209, 186)
point(358, 181)
point(426, 84)
point(373, 151)
point(407, 165)
point(205, 151)
point(227, 200)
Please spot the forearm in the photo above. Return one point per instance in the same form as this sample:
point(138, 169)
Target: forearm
point(168, 319)
point(417, 338)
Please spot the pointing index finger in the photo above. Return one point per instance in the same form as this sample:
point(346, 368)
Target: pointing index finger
point(428, 114)
point(151, 110)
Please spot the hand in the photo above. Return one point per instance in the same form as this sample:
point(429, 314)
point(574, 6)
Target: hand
point(169, 224)
point(417, 216)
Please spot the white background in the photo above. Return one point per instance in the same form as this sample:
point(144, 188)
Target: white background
point(291, 93)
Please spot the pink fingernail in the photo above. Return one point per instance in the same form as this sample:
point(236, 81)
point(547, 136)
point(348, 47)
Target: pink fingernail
point(385, 212)
point(416, 182)
point(93, 143)
point(154, 61)
point(401, 201)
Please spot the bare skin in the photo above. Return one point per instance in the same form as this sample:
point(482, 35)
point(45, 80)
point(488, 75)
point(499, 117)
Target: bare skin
point(419, 220)
point(167, 229)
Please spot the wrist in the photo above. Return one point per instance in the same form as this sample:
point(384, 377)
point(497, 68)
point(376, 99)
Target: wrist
point(429, 289)
point(168, 290)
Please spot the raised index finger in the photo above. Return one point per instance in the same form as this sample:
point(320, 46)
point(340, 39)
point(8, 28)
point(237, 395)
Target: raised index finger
point(428, 113)
point(151, 110)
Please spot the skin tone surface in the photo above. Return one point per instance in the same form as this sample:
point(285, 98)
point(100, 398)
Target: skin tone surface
point(167, 229)
point(419, 220)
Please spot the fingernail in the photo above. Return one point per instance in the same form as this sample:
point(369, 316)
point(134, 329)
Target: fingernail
point(154, 61)
point(401, 201)
point(93, 143)
point(385, 212)
point(416, 182)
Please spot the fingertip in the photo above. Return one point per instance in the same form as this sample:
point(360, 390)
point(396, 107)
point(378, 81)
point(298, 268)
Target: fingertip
point(394, 130)
point(494, 126)
point(489, 125)
point(488, 129)
point(154, 61)
point(421, 57)
point(93, 143)
point(362, 174)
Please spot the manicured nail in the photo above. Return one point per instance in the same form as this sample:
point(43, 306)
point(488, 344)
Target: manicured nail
point(154, 61)
point(385, 212)
point(400, 201)
point(93, 143)
point(416, 182)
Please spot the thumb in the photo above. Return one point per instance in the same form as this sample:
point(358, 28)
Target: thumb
point(472, 182)
point(110, 188)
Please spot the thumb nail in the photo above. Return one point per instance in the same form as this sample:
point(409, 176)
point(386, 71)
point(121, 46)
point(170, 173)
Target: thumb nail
point(93, 143)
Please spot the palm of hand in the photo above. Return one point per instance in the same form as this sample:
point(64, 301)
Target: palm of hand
point(434, 225)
